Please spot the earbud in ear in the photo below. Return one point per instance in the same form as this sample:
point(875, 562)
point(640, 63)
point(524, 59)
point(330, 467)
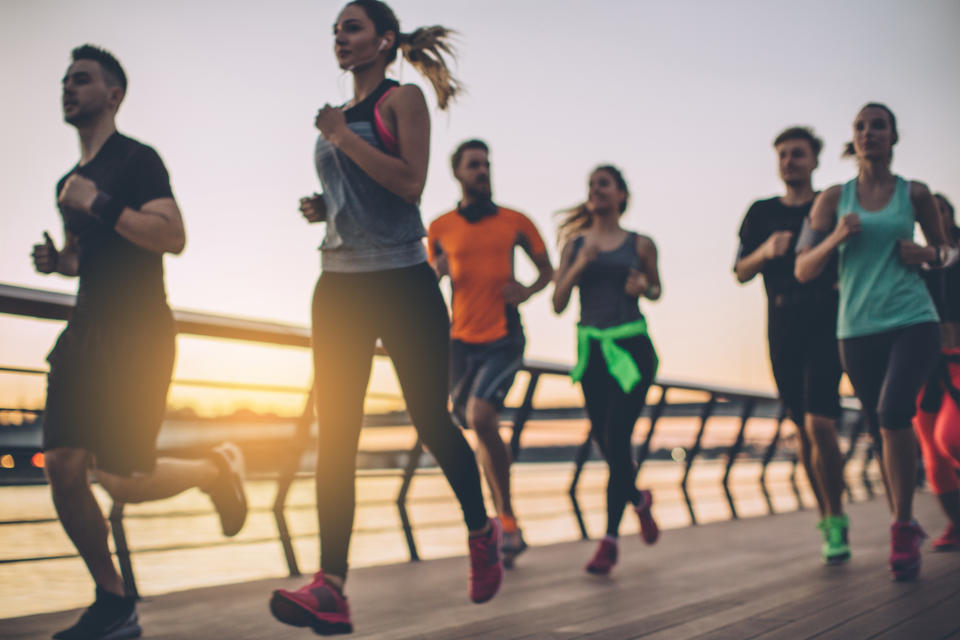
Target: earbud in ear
point(383, 45)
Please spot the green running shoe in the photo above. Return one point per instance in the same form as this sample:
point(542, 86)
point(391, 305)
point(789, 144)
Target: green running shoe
point(836, 548)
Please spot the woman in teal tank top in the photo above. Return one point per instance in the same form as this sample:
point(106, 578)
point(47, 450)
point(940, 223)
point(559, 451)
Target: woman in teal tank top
point(887, 323)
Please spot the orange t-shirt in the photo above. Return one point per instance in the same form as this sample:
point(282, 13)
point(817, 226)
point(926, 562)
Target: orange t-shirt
point(480, 257)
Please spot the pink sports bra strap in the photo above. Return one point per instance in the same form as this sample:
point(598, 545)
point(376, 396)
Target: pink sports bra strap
point(389, 141)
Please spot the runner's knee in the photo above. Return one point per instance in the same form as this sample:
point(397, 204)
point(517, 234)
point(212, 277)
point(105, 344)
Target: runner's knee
point(120, 488)
point(820, 428)
point(66, 468)
point(482, 416)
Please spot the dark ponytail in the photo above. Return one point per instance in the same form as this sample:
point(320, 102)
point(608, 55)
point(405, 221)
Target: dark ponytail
point(576, 219)
point(850, 151)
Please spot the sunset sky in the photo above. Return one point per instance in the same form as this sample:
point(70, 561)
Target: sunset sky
point(684, 96)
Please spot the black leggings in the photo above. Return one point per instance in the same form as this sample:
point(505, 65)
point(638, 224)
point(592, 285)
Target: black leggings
point(888, 370)
point(613, 415)
point(404, 308)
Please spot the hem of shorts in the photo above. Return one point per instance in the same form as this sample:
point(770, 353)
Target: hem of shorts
point(125, 472)
point(875, 331)
point(366, 260)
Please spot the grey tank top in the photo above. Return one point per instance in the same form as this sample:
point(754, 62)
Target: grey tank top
point(603, 303)
point(369, 228)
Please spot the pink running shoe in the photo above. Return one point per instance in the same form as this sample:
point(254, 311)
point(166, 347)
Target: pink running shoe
point(649, 530)
point(604, 559)
point(318, 605)
point(486, 569)
point(905, 541)
point(949, 540)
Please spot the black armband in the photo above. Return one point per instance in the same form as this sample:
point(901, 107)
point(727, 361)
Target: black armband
point(106, 209)
point(810, 238)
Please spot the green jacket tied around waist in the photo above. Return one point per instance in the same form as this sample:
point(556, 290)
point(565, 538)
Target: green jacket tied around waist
point(619, 362)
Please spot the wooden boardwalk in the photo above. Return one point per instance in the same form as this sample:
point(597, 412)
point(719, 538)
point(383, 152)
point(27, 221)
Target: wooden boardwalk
point(752, 578)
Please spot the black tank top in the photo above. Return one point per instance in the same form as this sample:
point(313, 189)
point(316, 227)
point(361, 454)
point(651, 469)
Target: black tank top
point(603, 302)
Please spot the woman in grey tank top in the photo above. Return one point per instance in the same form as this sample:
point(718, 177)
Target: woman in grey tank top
point(616, 364)
point(372, 161)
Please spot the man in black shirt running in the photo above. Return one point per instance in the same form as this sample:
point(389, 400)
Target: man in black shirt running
point(111, 366)
point(801, 329)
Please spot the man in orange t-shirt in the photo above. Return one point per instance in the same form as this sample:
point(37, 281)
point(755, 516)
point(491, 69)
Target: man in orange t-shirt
point(474, 245)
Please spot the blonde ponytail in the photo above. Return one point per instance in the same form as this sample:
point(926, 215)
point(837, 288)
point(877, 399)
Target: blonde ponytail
point(425, 49)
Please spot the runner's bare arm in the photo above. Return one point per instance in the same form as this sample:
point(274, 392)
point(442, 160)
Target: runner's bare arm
point(157, 226)
point(753, 263)
point(569, 271)
point(46, 258)
point(544, 270)
point(811, 261)
point(646, 281)
point(404, 175)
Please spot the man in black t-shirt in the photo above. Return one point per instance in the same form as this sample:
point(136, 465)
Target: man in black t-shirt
point(111, 366)
point(801, 329)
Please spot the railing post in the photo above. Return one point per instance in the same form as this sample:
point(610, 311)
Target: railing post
point(583, 452)
point(123, 551)
point(413, 461)
point(522, 414)
point(285, 479)
point(864, 475)
point(768, 456)
point(855, 433)
point(735, 448)
point(705, 414)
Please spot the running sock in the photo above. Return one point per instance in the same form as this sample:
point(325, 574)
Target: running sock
point(508, 523)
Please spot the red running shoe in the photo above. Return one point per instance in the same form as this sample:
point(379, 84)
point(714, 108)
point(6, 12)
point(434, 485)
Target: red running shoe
point(318, 605)
point(905, 541)
point(604, 559)
point(649, 530)
point(486, 569)
point(949, 540)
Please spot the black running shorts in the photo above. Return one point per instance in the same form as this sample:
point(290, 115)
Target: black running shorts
point(484, 370)
point(805, 357)
point(107, 391)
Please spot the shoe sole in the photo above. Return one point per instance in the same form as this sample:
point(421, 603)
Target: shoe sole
point(594, 571)
point(232, 457)
point(836, 560)
point(509, 555)
point(904, 573)
point(295, 615)
point(124, 634)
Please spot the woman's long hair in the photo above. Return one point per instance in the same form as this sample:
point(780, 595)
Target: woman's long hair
point(424, 48)
point(578, 218)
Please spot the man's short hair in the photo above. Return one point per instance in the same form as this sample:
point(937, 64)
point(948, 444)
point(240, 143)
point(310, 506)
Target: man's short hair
point(113, 73)
point(469, 144)
point(801, 133)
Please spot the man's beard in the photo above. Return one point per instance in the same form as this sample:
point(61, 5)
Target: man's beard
point(84, 116)
point(484, 193)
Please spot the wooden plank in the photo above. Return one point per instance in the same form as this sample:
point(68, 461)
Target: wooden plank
point(939, 621)
point(756, 577)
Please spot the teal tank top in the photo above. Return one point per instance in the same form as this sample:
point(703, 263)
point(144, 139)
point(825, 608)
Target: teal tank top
point(878, 292)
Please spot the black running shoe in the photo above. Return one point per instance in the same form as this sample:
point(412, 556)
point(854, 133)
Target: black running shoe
point(227, 492)
point(110, 617)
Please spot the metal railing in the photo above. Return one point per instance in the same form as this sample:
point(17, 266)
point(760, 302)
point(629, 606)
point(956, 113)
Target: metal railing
point(721, 401)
